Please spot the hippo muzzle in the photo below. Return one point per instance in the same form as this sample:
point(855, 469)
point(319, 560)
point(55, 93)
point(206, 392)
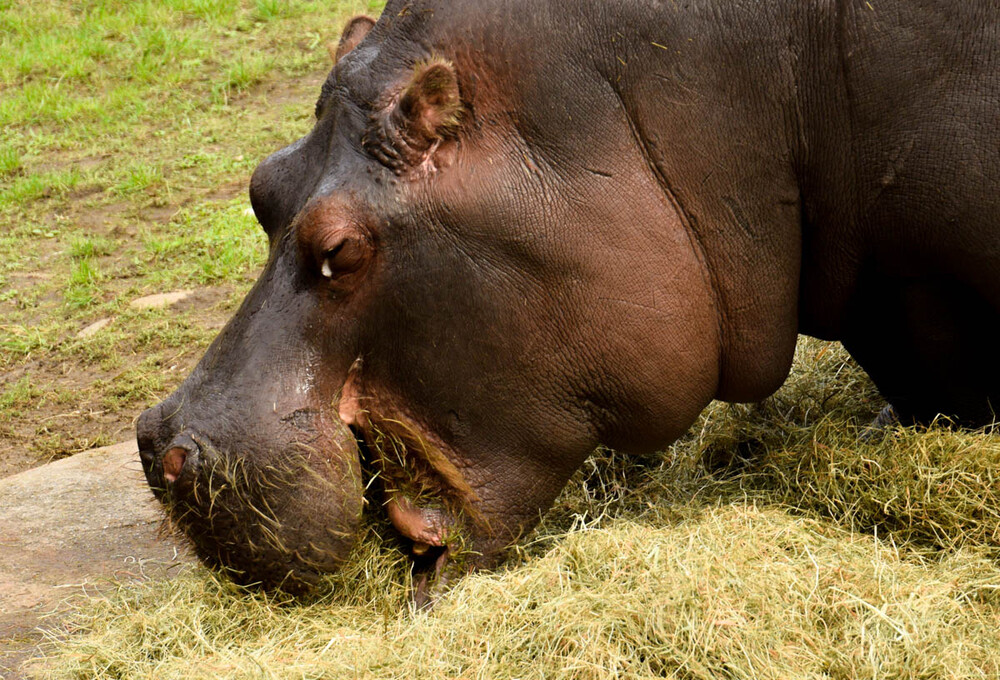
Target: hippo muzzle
point(281, 515)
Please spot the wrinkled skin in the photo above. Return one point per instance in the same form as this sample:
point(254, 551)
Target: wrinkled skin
point(523, 228)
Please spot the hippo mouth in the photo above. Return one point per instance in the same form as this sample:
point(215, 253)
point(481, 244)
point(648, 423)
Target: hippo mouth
point(424, 498)
point(424, 495)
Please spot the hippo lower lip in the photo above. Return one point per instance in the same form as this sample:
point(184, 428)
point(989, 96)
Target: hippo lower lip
point(424, 526)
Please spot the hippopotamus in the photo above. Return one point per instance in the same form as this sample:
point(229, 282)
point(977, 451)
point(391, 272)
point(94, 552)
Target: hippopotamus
point(521, 229)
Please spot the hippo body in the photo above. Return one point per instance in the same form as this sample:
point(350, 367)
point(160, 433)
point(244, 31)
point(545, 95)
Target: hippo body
point(523, 228)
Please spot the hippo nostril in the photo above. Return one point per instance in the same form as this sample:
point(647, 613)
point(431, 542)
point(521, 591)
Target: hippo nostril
point(173, 463)
point(182, 452)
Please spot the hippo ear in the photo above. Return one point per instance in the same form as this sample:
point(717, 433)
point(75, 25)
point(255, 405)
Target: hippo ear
point(426, 113)
point(430, 105)
point(355, 31)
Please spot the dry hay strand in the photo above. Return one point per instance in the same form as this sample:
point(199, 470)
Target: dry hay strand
point(809, 448)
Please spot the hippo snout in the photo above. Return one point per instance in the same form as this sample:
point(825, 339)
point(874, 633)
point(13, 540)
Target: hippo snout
point(268, 503)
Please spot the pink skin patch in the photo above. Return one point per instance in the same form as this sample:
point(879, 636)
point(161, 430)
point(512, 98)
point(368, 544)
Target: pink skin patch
point(349, 409)
point(173, 463)
point(424, 526)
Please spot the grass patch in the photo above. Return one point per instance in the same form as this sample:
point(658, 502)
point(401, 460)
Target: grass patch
point(16, 397)
point(242, 74)
point(90, 246)
point(10, 161)
point(82, 289)
point(19, 341)
point(135, 386)
point(140, 176)
point(208, 244)
point(267, 10)
point(37, 186)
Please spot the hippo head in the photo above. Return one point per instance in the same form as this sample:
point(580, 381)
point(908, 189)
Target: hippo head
point(438, 294)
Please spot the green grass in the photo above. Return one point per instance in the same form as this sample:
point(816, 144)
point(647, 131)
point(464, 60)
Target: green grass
point(242, 74)
point(82, 287)
point(17, 396)
point(128, 133)
point(136, 386)
point(139, 176)
point(268, 10)
point(85, 247)
point(37, 186)
point(10, 161)
point(214, 244)
point(18, 341)
point(111, 77)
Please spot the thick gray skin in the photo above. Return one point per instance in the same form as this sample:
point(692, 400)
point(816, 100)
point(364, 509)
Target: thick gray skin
point(642, 206)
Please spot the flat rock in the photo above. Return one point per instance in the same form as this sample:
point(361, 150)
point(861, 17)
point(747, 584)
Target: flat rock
point(71, 528)
point(159, 300)
point(93, 328)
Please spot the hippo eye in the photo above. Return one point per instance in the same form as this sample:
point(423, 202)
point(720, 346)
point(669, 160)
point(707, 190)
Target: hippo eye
point(335, 245)
point(348, 255)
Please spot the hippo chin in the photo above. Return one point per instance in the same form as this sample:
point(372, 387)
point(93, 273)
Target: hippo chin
point(523, 228)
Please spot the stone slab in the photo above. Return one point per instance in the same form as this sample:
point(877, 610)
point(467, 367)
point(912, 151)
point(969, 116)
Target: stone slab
point(159, 300)
point(70, 528)
point(94, 328)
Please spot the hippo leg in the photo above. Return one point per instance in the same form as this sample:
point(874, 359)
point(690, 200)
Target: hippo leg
point(929, 345)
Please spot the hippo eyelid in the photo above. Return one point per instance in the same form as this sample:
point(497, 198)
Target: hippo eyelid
point(346, 257)
point(328, 257)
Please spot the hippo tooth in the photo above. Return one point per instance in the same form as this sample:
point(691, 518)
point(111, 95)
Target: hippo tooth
point(327, 269)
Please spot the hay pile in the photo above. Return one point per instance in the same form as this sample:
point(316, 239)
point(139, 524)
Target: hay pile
point(772, 542)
